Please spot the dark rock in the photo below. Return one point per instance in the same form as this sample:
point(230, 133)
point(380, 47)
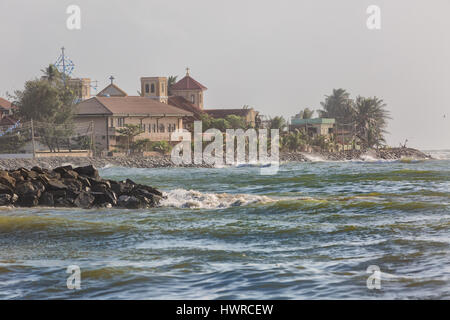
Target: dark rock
point(38, 170)
point(46, 200)
point(66, 172)
point(62, 170)
point(68, 187)
point(29, 200)
point(84, 200)
point(88, 171)
point(6, 179)
point(55, 185)
point(38, 185)
point(17, 176)
point(130, 202)
point(105, 197)
point(149, 189)
point(24, 188)
point(63, 202)
point(5, 199)
point(5, 189)
point(121, 188)
point(85, 181)
point(150, 199)
point(73, 185)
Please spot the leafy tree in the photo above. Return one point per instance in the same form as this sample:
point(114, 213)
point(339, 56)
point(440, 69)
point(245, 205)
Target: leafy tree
point(51, 73)
point(161, 146)
point(170, 82)
point(338, 106)
point(130, 131)
point(306, 113)
point(236, 122)
point(294, 140)
point(370, 118)
point(142, 145)
point(277, 123)
point(12, 142)
point(50, 103)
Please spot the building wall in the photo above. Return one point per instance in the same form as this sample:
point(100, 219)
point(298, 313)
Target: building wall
point(160, 88)
point(82, 87)
point(105, 128)
point(197, 95)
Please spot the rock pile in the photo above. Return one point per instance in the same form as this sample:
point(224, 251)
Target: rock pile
point(79, 187)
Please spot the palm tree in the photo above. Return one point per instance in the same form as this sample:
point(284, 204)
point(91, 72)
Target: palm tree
point(306, 113)
point(51, 73)
point(294, 140)
point(170, 82)
point(277, 123)
point(338, 106)
point(370, 118)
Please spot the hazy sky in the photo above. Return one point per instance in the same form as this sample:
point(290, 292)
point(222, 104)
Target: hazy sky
point(276, 56)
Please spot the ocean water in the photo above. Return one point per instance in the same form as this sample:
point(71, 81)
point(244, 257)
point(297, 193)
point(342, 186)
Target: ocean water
point(308, 232)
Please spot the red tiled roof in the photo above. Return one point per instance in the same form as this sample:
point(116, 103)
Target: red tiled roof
point(5, 104)
point(184, 104)
point(188, 83)
point(128, 106)
point(222, 113)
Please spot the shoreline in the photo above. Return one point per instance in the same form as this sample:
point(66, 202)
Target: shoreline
point(164, 161)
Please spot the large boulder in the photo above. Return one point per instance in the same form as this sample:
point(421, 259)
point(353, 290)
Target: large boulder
point(130, 202)
point(46, 200)
point(7, 199)
point(5, 189)
point(88, 171)
point(6, 179)
point(66, 172)
point(84, 200)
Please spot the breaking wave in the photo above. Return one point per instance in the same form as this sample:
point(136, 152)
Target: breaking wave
point(439, 154)
point(181, 198)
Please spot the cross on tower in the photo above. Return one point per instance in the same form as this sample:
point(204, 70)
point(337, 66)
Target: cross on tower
point(112, 79)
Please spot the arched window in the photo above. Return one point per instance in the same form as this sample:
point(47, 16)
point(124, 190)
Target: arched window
point(193, 99)
point(162, 128)
point(147, 88)
point(153, 88)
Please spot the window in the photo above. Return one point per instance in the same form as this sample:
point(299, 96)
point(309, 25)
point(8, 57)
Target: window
point(112, 122)
point(154, 127)
point(147, 88)
point(192, 98)
point(153, 88)
point(120, 122)
point(162, 87)
point(172, 127)
point(162, 128)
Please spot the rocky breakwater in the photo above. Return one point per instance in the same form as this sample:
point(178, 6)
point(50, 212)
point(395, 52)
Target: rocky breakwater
point(68, 187)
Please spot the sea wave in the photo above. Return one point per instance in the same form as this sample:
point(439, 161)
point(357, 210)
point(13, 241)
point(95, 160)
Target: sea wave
point(439, 154)
point(181, 198)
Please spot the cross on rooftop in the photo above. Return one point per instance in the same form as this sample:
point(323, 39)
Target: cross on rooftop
point(112, 79)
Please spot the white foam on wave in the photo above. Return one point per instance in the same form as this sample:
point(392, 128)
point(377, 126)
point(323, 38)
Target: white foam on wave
point(439, 154)
point(313, 157)
point(369, 158)
point(181, 198)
